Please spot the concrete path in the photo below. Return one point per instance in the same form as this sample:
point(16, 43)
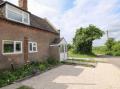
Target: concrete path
point(115, 61)
point(104, 76)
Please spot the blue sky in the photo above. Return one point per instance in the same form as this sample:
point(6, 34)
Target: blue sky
point(68, 15)
point(68, 4)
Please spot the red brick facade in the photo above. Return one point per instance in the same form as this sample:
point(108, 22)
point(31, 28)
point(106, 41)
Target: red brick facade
point(23, 4)
point(54, 52)
point(17, 32)
point(25, 50)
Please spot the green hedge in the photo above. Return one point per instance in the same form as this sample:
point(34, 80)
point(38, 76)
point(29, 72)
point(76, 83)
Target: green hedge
point(115, 49)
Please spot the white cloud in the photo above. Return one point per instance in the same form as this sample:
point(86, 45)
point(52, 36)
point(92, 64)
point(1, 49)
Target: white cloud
point(85, 12)
point(102, 13)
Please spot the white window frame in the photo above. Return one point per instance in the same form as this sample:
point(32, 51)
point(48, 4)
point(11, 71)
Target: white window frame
point(14, 50)
point(22, 13)
point(32, 47)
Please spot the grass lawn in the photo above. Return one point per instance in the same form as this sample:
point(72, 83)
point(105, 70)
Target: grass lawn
point(96, 50)
point(99, 50)
point(71, 54)
point(83, 60)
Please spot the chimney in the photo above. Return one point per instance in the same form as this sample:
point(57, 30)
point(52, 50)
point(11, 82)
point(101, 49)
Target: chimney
point(23, 4)
point(1, 1)
point(58, 31)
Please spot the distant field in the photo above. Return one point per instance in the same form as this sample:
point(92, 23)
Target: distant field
point(99, 50)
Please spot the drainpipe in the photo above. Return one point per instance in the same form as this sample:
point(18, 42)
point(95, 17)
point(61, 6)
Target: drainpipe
point(26, 60)
point(11, 64)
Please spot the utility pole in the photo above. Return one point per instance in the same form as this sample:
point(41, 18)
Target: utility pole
point(107, 34)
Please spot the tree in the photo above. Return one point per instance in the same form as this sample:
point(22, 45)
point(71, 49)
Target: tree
point(116, 49)
point(110, 42)
point(84, 38)
point(69, 46)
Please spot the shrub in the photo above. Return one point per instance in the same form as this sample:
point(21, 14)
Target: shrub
point(116, 49)
point(34, 64)
point(6, 78)
point(69, 46)
point(110, 43)
point(109, 53)
point(46, 63)
point(52, 61)
point(42, 67)
point(24, 87)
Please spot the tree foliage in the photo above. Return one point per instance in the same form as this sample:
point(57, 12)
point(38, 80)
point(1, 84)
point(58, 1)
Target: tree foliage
point(113, 47)
point(116, 49)
point(84, 38)
point(69, 46)
point(110, 42)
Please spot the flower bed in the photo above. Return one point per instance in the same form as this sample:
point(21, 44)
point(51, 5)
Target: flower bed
point(8, 77)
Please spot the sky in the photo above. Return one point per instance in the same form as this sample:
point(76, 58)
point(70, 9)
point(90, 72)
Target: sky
point(69, 15)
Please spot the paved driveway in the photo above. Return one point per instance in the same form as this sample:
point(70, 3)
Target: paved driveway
point(115, 61)
point(104, 76)
point(110, 59)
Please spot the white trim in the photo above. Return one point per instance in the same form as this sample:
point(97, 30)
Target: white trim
point(14, 50)
point(20, 45)
point(54, 45)
point(22, 13)
point(32, 47)
point(62, 41)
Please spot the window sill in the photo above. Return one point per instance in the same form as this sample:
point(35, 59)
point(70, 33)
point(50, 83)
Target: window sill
point(33, 52)
point(11, 53)
point(18, 21)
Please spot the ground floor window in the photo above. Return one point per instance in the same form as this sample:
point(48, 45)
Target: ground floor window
point(12, 47)
point(32, 46)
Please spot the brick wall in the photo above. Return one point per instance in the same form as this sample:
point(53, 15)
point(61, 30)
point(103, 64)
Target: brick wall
point(54, 52)
point(23, 4)
point(26, 59)
point(2, 14)
point(10, 31)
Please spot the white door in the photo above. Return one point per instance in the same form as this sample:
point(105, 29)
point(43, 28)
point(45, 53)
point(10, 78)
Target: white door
point(63, 52)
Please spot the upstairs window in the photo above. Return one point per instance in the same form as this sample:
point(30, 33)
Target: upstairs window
point(17, 15)
point(14, 16)
point(25, 18)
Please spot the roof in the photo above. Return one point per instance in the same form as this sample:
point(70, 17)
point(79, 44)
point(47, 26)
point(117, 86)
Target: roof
point(57, 40)
point(35, 21)
point(1, 1)
point(41, 23)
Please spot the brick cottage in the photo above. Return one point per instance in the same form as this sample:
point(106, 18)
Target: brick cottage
point(25, 37)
